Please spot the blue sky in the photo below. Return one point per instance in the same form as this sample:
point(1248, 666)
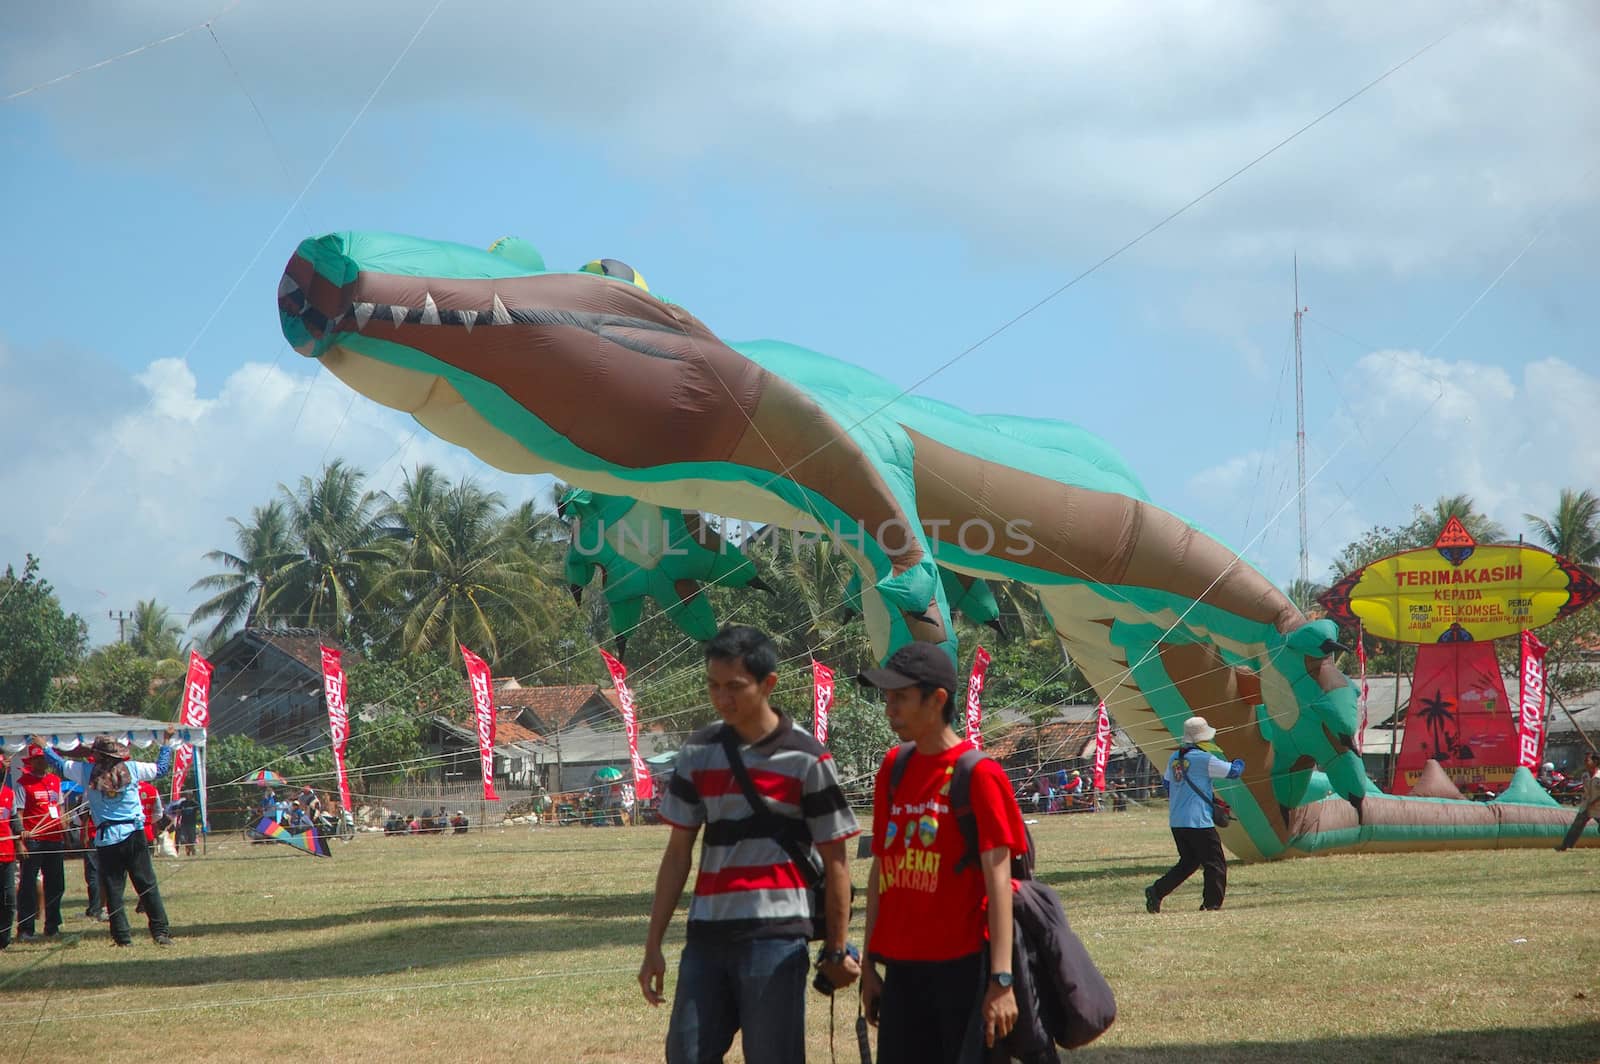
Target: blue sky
point(886, 183)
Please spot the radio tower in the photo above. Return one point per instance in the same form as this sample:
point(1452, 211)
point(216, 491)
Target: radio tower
point(1300, 428)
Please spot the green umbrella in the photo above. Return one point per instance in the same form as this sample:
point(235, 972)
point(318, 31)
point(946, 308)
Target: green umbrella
point(607, 774)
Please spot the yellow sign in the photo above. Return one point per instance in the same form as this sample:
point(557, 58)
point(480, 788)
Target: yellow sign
point(1459, 593)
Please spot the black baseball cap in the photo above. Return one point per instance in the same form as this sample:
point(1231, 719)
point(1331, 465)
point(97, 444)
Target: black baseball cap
point(912, 664)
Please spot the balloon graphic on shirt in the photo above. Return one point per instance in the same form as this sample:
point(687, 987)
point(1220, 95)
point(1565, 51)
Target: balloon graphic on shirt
point(927, 830)
point(889, 833)
point(591, 377)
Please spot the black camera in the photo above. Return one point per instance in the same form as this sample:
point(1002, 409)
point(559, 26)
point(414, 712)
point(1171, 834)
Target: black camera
point(821, 984)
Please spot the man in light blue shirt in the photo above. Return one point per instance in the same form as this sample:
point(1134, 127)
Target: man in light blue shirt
point(111, 784)
point(1189, 791)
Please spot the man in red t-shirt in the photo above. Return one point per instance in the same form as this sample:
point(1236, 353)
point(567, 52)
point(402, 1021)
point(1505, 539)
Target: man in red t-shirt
point(44, 830)
point(942, 932)
point(10, 835)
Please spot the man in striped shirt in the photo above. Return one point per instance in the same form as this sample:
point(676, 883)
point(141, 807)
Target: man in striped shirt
point(744, 963)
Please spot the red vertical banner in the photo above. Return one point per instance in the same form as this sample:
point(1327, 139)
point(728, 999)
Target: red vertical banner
point(821, 700)
point(643, 787)
point(980, 666)
point(1460, 717)
point(333, 689)
point(195, 713)
point(1102, 745)
point(1530, 731)
point(481, 685)
point(1361, 699)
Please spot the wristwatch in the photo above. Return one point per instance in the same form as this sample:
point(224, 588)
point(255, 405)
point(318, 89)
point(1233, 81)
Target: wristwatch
point(830, 956)
point(1002, 979)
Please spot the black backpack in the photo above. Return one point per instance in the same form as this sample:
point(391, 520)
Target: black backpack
point(1061, 996)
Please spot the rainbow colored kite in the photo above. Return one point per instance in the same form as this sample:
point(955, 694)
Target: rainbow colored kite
point(306, 839)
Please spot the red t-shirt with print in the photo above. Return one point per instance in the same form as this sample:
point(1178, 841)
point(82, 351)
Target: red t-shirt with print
point(926, 911)
point(8, 845)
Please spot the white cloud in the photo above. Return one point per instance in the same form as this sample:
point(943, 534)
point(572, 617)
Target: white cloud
point(127, 490)
point(1054, 128)
point(1428, 427)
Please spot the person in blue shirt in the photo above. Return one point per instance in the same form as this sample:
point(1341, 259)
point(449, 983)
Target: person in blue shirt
point(111, 783)
point(1189, 791)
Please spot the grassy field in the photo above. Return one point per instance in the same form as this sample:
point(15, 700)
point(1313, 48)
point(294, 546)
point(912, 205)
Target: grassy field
point(522, 945)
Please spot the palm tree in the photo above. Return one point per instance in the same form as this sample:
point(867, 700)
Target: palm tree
point(1304, 594)
point(1437, 713)
point(465, 574)
point(346, 539)
point(1429, 523)
point(810, 589)
point(264, 547)
point(1573, 531)
point(155, 634)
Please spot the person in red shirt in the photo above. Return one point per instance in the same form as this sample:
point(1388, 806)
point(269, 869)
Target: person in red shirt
point(44, 830)
point(10, 843)
point(940, 926)
point(149, 798)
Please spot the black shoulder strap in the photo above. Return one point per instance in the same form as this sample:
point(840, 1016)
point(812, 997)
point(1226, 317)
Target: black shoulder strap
point(780, 828)
point(1183, 755)
point(961, 806)
point(897, 771)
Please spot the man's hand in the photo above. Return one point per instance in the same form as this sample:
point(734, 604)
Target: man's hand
point(842, 974)
point(653, 975)
point(999, 1013)
point(871, 992)
point(172, 730)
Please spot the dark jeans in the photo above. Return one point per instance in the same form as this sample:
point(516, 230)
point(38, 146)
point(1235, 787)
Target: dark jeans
point(8, 900)
point(46, 857)
point(1575, 832)
point(931, 1011)
point(121, 861)
point(1197, 848)
point(756, 987)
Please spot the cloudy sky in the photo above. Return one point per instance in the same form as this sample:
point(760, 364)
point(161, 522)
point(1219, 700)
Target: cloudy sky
point(888, 183)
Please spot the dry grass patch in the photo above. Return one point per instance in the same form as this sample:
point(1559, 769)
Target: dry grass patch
point(523, 945)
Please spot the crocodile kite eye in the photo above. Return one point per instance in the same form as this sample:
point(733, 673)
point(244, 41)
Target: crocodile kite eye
point(616, 268)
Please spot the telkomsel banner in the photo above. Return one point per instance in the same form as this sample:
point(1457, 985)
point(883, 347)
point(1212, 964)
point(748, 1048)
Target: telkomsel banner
point(333, 690)
point(480, 684)
point(643, 786)
point(196, 713)
point(980, 666)
point(821, 700)
point(1530, 732)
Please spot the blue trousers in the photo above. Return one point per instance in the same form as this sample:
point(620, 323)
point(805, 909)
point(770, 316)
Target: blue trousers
point(756, 987)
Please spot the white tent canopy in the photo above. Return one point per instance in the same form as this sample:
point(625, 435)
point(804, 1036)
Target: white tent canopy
point(66, 731)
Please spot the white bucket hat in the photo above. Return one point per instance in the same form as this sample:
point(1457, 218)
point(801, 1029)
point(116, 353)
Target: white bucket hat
point(1196, 730)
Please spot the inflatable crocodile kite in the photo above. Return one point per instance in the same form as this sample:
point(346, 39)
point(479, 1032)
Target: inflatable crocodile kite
point(588, 376)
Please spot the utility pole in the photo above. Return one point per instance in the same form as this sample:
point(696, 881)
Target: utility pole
point(122, 618)
point(1300, 428)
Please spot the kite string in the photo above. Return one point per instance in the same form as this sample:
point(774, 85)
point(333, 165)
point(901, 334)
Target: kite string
point(206, 25)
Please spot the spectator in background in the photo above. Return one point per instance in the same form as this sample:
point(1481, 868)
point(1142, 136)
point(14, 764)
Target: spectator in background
point(459, 822)
point(185, 814)
point(10, 843)
point(1588, 805)
point(44, 832)
point(84, 819)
